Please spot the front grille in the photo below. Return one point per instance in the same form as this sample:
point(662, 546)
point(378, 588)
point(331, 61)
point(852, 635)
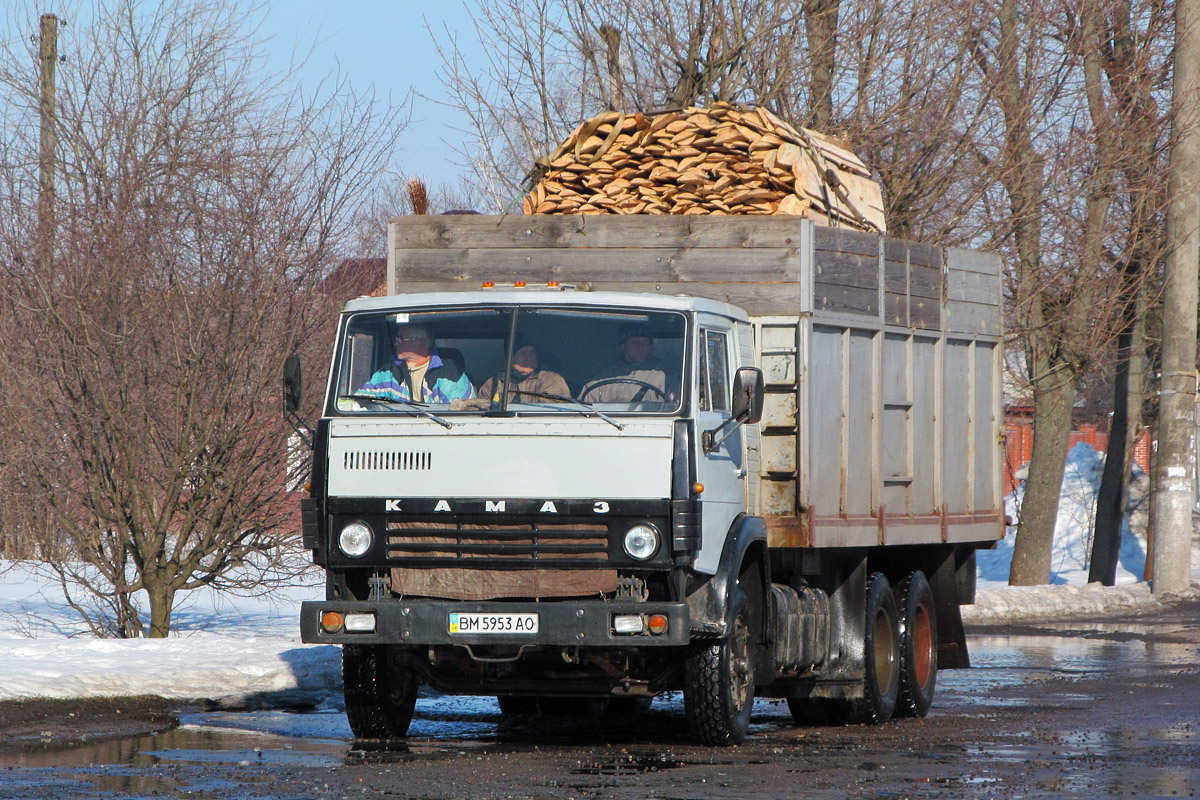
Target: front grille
point(515, 546)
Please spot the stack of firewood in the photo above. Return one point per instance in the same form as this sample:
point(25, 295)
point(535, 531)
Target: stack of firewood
point(718, 160)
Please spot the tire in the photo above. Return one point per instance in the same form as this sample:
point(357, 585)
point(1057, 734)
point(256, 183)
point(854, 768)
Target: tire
point(718, 681)
point(918, 646)
point(380, 695)
point(513, 704)
point(881, 654)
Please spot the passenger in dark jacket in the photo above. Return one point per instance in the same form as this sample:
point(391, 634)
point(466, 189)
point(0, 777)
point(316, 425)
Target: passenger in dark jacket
point(527, 382)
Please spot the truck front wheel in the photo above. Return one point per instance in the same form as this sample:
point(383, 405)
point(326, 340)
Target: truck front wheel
point(380, 694)
point(718, 688)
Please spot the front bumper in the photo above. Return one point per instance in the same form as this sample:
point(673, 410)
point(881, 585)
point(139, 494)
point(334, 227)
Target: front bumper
point(586, 623)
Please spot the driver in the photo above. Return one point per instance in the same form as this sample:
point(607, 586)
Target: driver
point(635, 364)
point(417, 372)
point(527, 383)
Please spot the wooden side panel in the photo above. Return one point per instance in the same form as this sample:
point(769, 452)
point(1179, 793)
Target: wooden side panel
point(860, 412)
point(986, 428)
point(845, 272)
point(895, 444)
point(924, 485)
point(972, 290)
point(925, 286)
point(956, 420)
point(825, 419)
point(456, 232)
point(752, 262)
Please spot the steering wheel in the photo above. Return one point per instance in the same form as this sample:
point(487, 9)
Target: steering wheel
point(634, 381)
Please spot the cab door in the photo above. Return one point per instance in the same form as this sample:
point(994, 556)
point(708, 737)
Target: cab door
point(721, 469)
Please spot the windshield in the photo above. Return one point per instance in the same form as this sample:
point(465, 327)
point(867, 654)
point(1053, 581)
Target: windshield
point(505, 361)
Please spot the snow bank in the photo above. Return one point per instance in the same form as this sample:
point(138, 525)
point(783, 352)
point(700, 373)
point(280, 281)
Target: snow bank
point(1026, 603)
point(232, 651)
point(1069, 595)
point(228, 670)
point(1073, 530)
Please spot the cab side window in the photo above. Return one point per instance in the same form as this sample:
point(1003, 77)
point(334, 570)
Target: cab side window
point(714, 371)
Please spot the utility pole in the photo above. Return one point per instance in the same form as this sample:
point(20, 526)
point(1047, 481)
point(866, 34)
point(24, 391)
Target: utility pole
point(1175, 496)
point(48, 59)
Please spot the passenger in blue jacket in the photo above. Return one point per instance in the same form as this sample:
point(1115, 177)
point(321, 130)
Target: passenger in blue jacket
point(417, 364)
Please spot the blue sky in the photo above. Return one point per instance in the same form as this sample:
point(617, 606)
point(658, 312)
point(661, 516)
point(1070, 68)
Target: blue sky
point(373, 43)
point(380, 45)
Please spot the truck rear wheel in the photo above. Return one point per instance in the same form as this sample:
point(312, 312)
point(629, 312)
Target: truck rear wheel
point(718, 681)
point(380, 695)
point(881, 651)
point(918, 646)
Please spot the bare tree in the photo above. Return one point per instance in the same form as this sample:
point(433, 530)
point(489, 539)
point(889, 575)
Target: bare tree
point(552, 63)
point(1134, 47)
point(197, 208)
point(1058, 168)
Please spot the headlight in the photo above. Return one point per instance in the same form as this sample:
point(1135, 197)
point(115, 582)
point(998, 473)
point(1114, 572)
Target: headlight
point(641, 541)
point(355, 539)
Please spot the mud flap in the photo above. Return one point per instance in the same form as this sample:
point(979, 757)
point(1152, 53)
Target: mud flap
point(707, 606)
point(952, 638)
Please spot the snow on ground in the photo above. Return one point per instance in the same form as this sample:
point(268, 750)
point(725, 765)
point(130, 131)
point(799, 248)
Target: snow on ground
point(233, 651)
point(237, 651)
point(1069, 594)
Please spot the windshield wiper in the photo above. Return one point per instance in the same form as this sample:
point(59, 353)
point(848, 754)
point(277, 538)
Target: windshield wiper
point(411, 407)
point(587, 409)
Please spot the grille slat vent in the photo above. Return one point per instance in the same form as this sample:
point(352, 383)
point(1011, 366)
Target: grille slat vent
point(387, 461)
point(498, 545)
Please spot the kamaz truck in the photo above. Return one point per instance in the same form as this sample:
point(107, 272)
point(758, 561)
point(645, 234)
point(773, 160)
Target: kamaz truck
point(733, 457)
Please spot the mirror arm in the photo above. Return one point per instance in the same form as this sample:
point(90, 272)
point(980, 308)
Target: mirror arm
point(731, 423)
point(306, 434)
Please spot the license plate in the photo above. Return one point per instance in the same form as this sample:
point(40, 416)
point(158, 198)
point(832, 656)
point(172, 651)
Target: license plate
point(493, 623)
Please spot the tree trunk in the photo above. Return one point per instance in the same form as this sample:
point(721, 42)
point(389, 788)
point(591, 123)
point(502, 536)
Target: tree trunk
point(1110, 500)
point(162, 602)
point(820, 24)
point(1039, 508)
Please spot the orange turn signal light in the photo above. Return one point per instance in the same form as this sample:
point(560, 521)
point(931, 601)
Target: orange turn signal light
point(519, 284)
point(332, 622)
point(698, 488)
point(658, 623)
point(489, 284)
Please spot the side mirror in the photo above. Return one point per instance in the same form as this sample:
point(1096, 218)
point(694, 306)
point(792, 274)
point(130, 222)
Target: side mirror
point(747, 409)
point(292, 384)
point(748, 391)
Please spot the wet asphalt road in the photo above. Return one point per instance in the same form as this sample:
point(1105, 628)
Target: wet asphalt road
point(1076, 710)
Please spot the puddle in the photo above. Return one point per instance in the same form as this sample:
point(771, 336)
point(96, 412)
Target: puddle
point(185, 744)
point(631, 765)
